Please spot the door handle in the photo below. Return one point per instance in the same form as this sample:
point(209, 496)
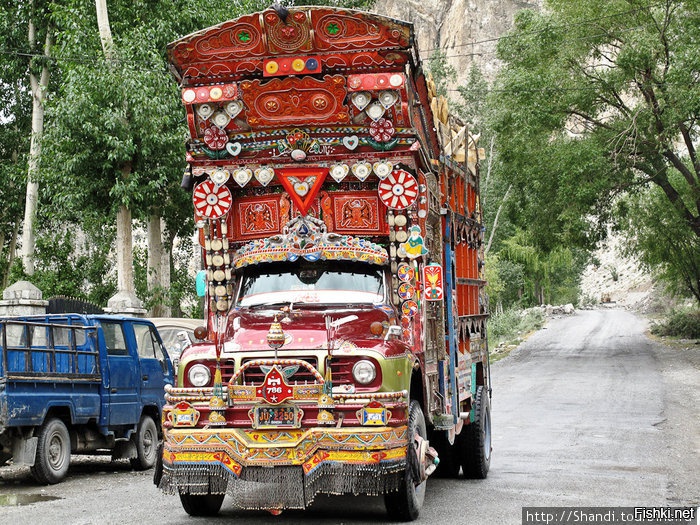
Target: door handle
point(145, 378)
point(113, 390)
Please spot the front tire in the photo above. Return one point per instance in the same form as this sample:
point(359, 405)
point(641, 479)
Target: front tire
point(475, 439)
point(406, 503)
point(202, 505)
point(52, 452)
point(146, 444)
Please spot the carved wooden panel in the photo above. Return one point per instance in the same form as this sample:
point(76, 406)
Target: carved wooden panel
point(350, 30)
point(256, 217)
point(355, 213)
point(295, 101)
point(235, 49)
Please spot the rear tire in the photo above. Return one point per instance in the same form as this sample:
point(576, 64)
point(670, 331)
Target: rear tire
point(146, 439)
point(202, 505)
point(52, 452)
point(406, 503)
point(475, 439)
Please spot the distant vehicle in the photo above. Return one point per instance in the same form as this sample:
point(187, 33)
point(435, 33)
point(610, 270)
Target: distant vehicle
point(177, 334)
point(79, 384)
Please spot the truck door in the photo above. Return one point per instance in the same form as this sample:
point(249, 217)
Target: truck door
point(123, 378)
point(156, 369)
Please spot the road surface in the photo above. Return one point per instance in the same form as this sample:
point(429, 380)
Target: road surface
point(587, 412)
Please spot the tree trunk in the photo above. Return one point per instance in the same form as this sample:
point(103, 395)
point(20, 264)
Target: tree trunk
point(495, 221)
point(125, 255)
point(105, 29)
point(155, 265)
point(166, 263)
point(39, 87)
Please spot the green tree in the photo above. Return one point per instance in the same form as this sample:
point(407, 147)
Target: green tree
point(661, 240)
point(442, 72)
point(597, 98)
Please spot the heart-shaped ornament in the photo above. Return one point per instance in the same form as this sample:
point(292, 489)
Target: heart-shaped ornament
point(220, 119)
point(301, 188)
point(388, 98)
point(264, 175)
point(351, 142)
point(233, 108)
point(233, 148)
point(205, 111)
point(242, 176)
point(361, 170)
point(360, 99)
point(339, 172)
point(382, 169)
point(375, 111)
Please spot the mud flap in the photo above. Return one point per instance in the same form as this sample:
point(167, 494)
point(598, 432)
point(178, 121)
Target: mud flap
point(24, 451)
point(158, 467)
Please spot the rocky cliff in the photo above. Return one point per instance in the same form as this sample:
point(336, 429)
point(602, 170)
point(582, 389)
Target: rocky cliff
point(466, 30)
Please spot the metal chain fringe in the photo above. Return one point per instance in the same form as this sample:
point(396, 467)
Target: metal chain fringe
point(261, 488)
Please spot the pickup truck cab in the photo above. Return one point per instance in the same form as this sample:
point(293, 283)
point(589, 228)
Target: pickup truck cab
point(72, 383)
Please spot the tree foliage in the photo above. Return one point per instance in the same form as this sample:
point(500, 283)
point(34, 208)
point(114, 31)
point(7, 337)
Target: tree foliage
point(661, 240)
point(597, 98)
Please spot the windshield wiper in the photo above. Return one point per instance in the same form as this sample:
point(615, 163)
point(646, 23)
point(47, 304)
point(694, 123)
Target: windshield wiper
point(270, 306)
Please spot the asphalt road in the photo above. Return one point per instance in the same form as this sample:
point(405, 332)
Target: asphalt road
point(587, 412)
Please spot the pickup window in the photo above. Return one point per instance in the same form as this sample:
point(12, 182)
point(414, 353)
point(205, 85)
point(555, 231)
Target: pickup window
point(146, 342)
point(114, 338)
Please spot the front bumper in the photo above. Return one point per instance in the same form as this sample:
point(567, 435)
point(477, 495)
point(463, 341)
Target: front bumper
point(278, 469)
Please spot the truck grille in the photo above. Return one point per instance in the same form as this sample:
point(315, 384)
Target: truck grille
point(254, 374)
point(341, 368)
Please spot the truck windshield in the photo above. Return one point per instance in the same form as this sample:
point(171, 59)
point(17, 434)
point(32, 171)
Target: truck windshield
point(311, 282)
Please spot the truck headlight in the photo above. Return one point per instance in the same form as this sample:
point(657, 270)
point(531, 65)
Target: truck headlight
point(364, 372)
point(199, 375)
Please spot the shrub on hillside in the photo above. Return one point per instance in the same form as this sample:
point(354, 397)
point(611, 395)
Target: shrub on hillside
point(680, 323)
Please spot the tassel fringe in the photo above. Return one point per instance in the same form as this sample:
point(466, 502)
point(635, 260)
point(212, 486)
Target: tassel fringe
point(261, 488)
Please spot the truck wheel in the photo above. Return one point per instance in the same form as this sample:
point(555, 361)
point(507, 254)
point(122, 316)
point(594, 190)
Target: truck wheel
point(475, 439)
point(146, 439)
point(52, 452)
point(202, 505)
point(447, 454)
point(406, 503)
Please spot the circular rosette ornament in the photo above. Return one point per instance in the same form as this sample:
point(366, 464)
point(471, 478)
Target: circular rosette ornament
point(382, 130)
point(399, 190)
point(211, 201)
point(215, 138)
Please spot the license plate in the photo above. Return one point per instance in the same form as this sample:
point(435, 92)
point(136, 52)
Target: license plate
point(277, 417)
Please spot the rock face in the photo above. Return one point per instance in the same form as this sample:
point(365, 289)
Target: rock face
point(466, 30)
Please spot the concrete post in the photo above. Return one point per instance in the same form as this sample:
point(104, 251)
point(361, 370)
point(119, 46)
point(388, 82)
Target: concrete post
point(22, 298)
point(125, 302)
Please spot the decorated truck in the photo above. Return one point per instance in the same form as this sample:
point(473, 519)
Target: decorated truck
point(337, 207)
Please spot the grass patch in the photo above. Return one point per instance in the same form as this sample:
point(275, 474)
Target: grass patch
point(508, 329)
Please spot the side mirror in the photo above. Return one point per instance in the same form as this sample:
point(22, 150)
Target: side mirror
point(394, 332)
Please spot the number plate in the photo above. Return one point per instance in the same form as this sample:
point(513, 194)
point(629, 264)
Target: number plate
point(277, 417)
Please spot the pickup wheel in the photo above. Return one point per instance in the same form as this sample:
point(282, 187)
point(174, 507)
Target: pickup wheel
point(146, 439)
point(52, 452)
point(406, 503)
point(202, 505)
point(475, 439)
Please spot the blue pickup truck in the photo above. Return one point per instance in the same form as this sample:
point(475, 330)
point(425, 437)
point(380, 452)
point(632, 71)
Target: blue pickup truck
point(72, 383)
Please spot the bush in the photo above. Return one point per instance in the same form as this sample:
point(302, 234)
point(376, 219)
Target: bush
point(513, 323)
point(681, 323)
